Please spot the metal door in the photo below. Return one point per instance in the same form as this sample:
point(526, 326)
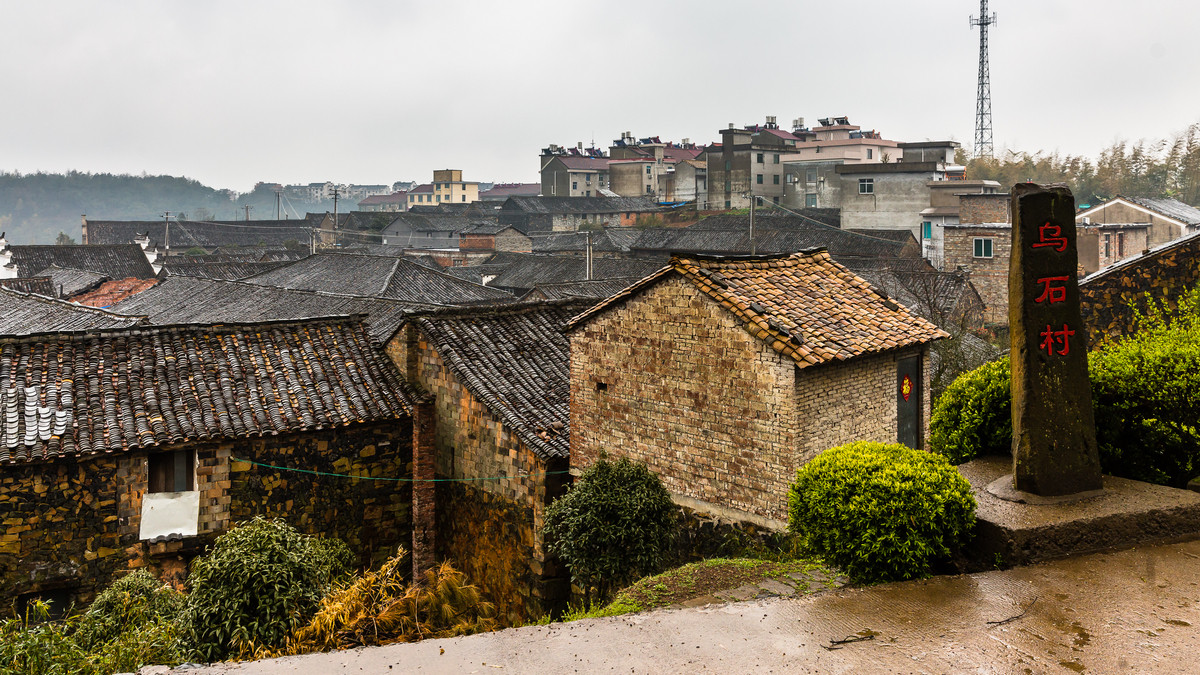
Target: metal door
point(908, 401)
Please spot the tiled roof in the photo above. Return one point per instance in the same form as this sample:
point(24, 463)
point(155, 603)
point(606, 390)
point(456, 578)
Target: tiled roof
point(804, 305)
point(39, 285)
point(585, 163)
point(413, 221)
point(83, 394)
point(25, 314)
point(608, 240)
point(394, 198)
point(179, 300)
point(767, 240)
point(1171, 208)
point(185, 234)
point(422, 188)
point(802, 219)
point(597, 289)
point(110, 293)
point(532, 270)
point(114, 261)
point(377, 276)
point(514, 359)
point(69, 281)
point(580, 205)
point(678, 154)
point(506, 190)
point(182, 267)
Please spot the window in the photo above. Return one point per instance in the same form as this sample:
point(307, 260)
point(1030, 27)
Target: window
point(464, 198)
point(758, 179)
point(589, 193)
point(647, 169)
point(810, 176)
point(574, 185)
point(587, 178)
point(172, 471)
point(760, 158)
point(866, 186)
point(927, 230)
point(776, 158)
point(983, 247)
point(810, 200)
point(776, 177)
point(870, 153)
point(726, 203)
point(818, 149)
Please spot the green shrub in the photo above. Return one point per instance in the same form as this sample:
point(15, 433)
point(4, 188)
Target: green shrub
point(616, 524)
point(881, 512)
point(974, 415)
point(34, 645)
point(260, 582)
point(1146, 393)
point(129, 603)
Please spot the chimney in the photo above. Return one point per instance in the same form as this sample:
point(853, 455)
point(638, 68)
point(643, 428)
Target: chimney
point(83, 218)
point(424, 506)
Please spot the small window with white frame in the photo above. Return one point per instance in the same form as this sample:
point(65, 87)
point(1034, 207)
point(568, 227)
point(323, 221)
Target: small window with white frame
point(983, 247)
point(866, 186)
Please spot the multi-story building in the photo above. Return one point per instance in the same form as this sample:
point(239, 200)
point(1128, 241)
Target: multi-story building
point(748, 163)
point(573, 172)
point(450, 188)
point(645, 167)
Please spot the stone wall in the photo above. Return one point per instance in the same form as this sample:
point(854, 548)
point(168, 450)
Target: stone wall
point(489, 518)
point(671, 379)
point(73, 524)
point(989, 275)
point(1108, 300)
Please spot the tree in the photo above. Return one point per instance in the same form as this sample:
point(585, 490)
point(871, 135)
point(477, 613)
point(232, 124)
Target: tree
point(615, 525)
point(64, 239)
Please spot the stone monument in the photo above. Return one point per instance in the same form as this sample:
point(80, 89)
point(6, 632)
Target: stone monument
point(1054, 434)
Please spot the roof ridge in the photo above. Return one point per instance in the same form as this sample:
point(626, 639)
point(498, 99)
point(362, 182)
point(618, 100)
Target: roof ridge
point(224, 327)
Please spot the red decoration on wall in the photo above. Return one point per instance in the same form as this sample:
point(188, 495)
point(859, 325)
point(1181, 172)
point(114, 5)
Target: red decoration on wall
point(906, 387)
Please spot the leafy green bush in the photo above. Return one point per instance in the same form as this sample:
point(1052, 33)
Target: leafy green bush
point(616, 524)
point(881, 512)
point(1146, 393)
point(974, 415)
point(34, 645)
point(261, 581)
point(129, 603)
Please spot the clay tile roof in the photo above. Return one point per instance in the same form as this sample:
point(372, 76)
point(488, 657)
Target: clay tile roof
point(803, 305)
point(597, 289)
point(110, 293)
point(25, 314)
point(77, 394)
point(184, 234)
point(67, 281)
point(228, 270)
point(514, 359)
point(114, 261)
point(527, 271)
point(377, 276)
point(39, 285)
point(186, 300)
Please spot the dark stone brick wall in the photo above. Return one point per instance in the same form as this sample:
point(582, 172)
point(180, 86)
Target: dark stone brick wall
point(73, 524)
point(1108, 301)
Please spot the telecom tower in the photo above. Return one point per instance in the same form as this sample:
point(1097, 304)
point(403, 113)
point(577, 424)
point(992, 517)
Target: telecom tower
point(983, 101)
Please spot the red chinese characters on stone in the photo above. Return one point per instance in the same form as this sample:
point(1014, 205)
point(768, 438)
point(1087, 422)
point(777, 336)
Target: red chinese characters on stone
point(1051, 235)
point(1052, 292)
point(1057, 341)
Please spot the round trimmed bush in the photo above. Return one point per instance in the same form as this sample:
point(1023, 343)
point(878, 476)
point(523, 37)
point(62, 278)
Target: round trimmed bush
point(615, 525)
point(260, 582)
point(974, 415)
point(881, 512)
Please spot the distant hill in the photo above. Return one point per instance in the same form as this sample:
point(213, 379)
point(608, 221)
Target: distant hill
point(35, 207)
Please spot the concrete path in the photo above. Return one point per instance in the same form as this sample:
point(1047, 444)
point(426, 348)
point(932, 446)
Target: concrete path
point(1131, 611)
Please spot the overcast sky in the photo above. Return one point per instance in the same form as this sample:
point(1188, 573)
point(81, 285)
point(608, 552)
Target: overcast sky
point(235, 92)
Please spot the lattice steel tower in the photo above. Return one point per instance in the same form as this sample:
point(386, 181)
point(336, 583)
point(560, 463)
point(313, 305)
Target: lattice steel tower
point(983, 101)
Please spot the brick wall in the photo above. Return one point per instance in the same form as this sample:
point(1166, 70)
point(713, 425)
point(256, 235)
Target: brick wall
point(489, 526)
point(1161, 229)
point(670, 379)
point(983, 208)
point(73, 524)
point(989, 275)
point(1108, 301)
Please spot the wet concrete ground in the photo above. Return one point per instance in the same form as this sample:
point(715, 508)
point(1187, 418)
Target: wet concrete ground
point(1131, 611)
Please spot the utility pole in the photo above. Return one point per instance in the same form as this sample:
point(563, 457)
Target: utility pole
point(983, 99)
point(336, 194)
point(753, 199)
point(247, 207)
point(278, 200)
point(588, 276)
point(167, 233)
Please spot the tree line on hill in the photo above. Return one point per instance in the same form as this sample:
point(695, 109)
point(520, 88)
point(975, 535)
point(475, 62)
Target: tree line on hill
point(1168, 167)
point(36, 207)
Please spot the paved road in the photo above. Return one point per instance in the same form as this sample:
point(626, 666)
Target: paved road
point(1133, 611)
